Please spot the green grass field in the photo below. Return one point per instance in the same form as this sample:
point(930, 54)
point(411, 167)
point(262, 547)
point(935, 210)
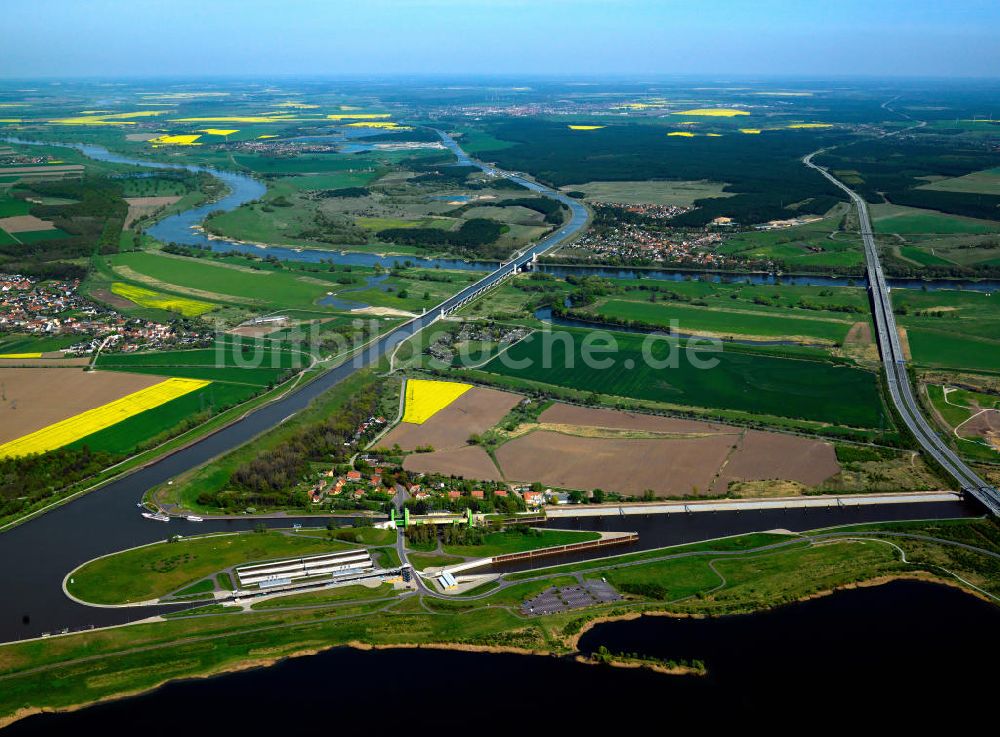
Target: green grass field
point(943, 349)
point(233, 281)
point(811, 390)
point(11, 207)
point(38, 236)
point(16, 343)
point(512, 541)
point(337, 180)
point(307, 164)
point(328, 596)
point(978, 182)
point(225, 354)
point(951, 409)
point(151, 426)
point(161, 568)
point(922, 257)
point(913, 221)
point(423, 561)
point(726, 322)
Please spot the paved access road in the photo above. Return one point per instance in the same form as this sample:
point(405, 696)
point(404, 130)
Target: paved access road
point(894, 361)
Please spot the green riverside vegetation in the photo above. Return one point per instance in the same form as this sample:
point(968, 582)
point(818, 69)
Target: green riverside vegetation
point(726, 576)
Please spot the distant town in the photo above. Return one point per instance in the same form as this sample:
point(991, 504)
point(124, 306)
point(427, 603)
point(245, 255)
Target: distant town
point(56, 308)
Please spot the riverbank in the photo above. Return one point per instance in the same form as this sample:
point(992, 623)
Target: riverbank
point(81, 668)
point(571, 651)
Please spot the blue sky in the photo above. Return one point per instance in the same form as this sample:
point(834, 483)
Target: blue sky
point(877, 38)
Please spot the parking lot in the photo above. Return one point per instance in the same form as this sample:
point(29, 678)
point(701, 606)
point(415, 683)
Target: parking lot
point(554, 599)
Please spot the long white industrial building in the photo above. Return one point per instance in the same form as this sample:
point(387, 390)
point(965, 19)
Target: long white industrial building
point(285, 571)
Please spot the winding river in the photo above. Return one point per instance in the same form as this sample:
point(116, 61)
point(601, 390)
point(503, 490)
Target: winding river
point(184, 228)
point(38, 554)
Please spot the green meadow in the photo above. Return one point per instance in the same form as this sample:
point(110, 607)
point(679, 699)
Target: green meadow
point(942, 349)
point(746, 381)
point(914, 221)
point(726, 322)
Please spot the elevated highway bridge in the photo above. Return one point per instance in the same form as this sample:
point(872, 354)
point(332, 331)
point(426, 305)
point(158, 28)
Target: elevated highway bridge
point(894, 361)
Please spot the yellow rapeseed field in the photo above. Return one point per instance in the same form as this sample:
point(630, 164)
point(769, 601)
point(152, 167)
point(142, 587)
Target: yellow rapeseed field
point(239, 119)
point(713, 112)
point(683, 134)
point(387, 124)
point(585, 127)
point(750, 131)
point(425, 398)
point(358, 116)
point(93, 420)
point(20, 355)
point(178, 140)
point(107, 119)
point(811, 125)
point(148, 298)
point(219, 131)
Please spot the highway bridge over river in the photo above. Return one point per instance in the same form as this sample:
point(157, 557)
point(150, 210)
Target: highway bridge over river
point(894, 361)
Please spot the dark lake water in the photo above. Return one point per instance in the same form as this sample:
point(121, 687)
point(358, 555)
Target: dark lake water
point(906, 652)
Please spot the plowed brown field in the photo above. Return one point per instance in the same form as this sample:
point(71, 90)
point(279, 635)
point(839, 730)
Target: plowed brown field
point(33, 398)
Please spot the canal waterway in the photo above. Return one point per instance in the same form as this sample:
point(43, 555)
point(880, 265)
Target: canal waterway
point(41, 552)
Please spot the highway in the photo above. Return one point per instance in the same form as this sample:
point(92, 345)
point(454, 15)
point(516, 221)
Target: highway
point(894, 361)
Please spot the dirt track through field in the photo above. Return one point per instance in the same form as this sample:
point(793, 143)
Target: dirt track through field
point(33, 398)
point(771, 455)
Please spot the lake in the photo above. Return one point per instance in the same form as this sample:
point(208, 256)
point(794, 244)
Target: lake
point(906, 651)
